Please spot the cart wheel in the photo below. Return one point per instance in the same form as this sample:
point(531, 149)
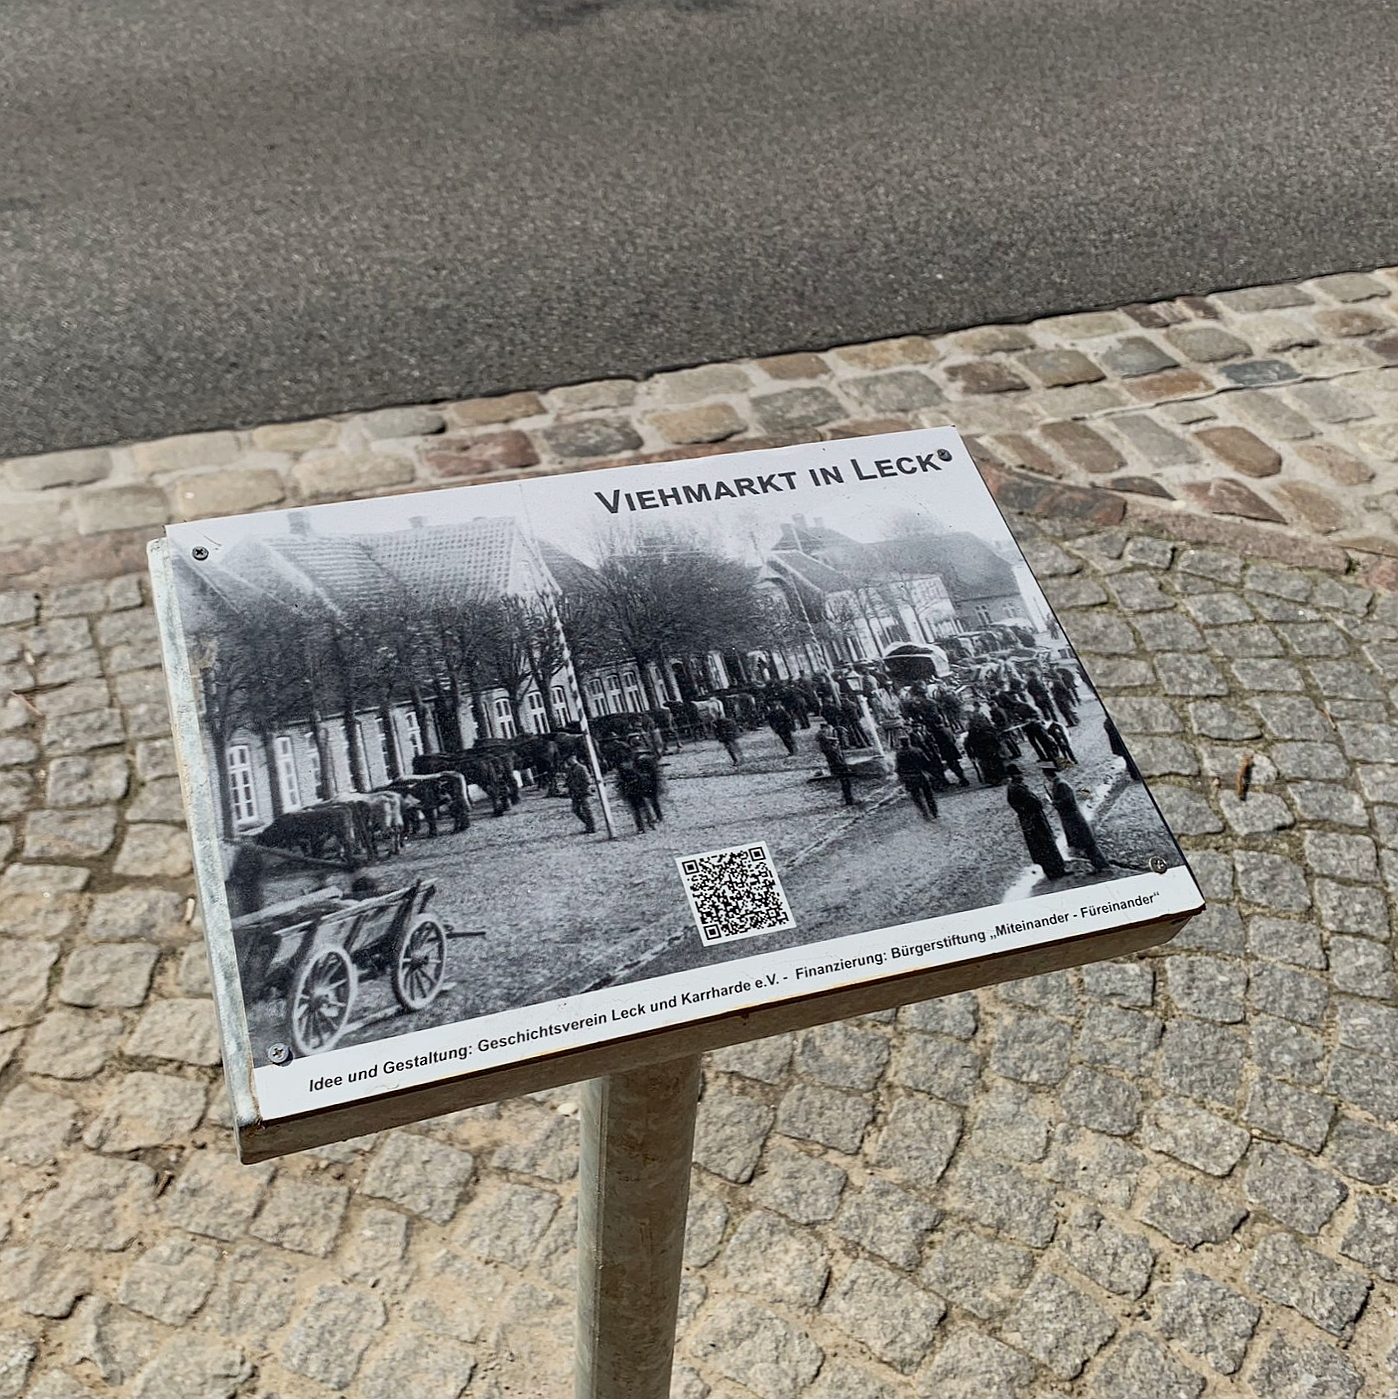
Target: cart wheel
point(419, 963)
point(321, 997)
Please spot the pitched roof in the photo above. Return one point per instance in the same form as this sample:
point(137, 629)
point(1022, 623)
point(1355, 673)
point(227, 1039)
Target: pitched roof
point(481, 557)
point(968, 566)
point(487, 557)
point(799, 536)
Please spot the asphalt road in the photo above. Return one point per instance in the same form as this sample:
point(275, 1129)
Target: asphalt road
point(265, 209)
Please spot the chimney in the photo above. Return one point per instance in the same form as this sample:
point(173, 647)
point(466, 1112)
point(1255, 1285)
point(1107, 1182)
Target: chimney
point(799, 521)
point(819, 522)
point(298, 523)
point(418, 521)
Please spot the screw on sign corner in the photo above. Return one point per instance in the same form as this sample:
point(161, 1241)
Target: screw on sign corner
point(1158, 864)
point(200, 553)
point(279, 1053)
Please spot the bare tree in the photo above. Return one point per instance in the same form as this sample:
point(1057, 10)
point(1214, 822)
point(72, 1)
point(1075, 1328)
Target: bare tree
point(676, 597)
point(503, 650)
point(545, 647)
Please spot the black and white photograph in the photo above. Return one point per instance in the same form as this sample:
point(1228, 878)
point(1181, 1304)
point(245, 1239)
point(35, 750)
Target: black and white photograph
point(496, 747)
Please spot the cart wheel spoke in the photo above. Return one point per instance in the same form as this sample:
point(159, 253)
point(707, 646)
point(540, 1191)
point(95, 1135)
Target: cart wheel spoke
point(322, 995)
point(419, 963)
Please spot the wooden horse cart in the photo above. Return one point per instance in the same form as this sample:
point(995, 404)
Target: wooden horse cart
point(315, 950)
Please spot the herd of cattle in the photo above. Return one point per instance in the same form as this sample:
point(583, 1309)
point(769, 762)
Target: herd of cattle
point(360, 827)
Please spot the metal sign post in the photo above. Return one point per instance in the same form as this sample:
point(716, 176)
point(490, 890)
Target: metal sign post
point(637, 1146)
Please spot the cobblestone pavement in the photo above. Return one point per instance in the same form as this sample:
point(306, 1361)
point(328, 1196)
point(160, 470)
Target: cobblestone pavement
point(1161, 1177)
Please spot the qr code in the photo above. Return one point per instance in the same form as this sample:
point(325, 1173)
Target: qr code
point(735, 893)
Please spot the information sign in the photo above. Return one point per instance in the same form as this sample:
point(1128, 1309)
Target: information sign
point(506, 786)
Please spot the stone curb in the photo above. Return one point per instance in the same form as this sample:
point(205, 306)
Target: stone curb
point(1263, 419)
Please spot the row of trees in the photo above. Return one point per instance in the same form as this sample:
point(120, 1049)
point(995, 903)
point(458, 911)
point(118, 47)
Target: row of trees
point(314, 662)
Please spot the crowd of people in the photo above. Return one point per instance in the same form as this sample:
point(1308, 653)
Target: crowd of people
point(987, 718)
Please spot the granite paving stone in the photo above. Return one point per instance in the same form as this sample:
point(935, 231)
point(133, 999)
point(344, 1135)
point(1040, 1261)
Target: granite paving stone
point(216, 1196)
point(1190, 1134)
point(1059, 1325)
point(893, 1318)
point(1209, 1319)
point(1373, 1237)
point(1294, 1114)
point(332, 1335)
point(888, 1222)
point(769, 1257)
point(1309, 1370)
point(1291, 1190)
point(1119, 1261)
point(1286, 1051)
point(1139, 1366)
point(34, 1125)
point(1324, 1292)
point(170, 1281)
point(918, 1140)
point(1363, 1152)
point(937, 1064)
point(1004, 1199)
point(505, 1225)
point(757, 1348)
point(983, 1274)
point(973, 1364)
point(1201, 1060)
point(813, 1113)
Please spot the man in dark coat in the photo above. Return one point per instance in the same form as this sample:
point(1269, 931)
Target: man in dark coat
point(1076, 829)
point(852, 724)
point(1038, 736)
point(648, 765)
point(632, 786)
point(726, 731)
point(552, 757)
point(1040, 691)
point(779, 718)
point(922, 741)
point(1066, 674)
point(1034, 823)
point(809, 701)
point(1064, 700)
point(915, 769)
point(579, 783)
point(500, 786)
point(947, 750)
point(1059, 735)
point(828, 741)
point(1119, 748)
point(983, 745)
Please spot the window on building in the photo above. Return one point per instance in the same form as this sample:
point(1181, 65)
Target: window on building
point(240, 783)
point(560, 705)
point(538, 719)
point(504, 719)
point(286, 773)
point(614, 697)
point(313, 768)
point(632, 686)
point(412, 728)
point(597, 695)
point(983, 616)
